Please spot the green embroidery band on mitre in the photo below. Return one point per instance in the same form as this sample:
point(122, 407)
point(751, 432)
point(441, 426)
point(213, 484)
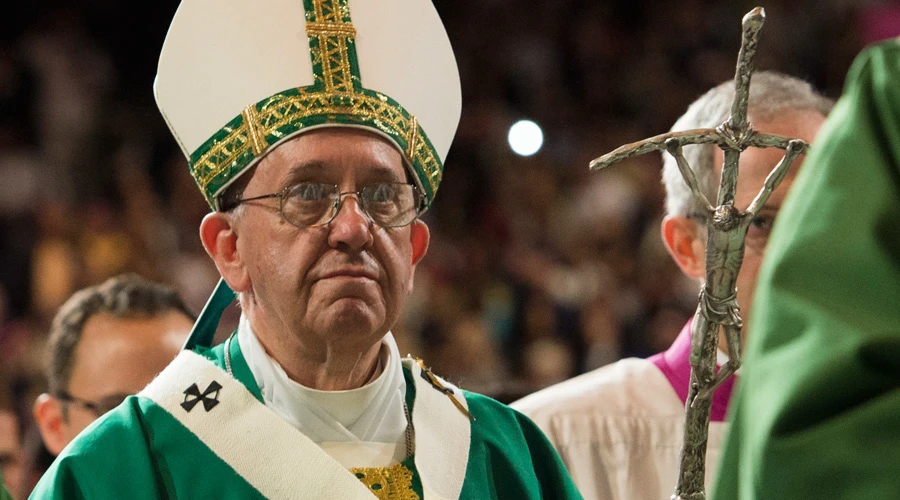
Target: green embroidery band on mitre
point(335, 97)
point(231, 150)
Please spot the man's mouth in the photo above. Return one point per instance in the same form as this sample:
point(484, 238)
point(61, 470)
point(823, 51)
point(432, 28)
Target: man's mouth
point(350, 273)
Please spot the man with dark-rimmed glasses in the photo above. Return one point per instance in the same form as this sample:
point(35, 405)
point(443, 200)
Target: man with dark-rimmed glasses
point(106, 343)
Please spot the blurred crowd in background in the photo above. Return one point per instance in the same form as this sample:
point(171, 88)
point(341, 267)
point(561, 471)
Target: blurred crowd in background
point(538, 269)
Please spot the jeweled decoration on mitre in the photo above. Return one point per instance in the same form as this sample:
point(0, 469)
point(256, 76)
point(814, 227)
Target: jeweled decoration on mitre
point(238, 77)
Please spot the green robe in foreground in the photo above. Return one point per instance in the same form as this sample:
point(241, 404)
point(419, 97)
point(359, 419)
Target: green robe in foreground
point(139, 451)
point(817, 414)
point(4, 493)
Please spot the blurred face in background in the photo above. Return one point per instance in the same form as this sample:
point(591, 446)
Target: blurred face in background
point(10, 451)
point(755, 165)
point(686, 238)
point(116, 357)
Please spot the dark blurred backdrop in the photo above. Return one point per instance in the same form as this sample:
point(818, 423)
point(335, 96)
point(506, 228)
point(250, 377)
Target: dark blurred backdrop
point(538, 269)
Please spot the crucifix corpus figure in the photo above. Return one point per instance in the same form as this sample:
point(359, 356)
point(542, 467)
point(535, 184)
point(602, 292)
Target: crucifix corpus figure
point(727, 226)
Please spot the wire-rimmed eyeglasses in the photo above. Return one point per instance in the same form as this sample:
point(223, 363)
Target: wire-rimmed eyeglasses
point(312, 204)
point(100, 407)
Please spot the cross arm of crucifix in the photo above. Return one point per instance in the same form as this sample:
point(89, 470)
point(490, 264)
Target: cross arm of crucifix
point(672, 142)
point(696, 136)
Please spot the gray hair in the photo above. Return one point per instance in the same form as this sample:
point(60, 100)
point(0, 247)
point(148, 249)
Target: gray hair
point(771, 93)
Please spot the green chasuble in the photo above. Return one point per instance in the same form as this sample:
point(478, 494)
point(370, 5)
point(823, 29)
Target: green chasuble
point(817, 414)
point(4, 493)
point(144, 449)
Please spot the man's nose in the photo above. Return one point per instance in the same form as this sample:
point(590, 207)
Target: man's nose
point(351, 225)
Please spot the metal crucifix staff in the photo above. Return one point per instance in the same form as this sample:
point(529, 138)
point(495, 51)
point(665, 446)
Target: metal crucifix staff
point(726, 230)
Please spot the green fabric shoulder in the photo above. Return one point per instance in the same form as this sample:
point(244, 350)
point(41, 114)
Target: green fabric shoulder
point(85, 469)
point(139, 452)
point(818, 408)
point(4, 493)
point(510, 458)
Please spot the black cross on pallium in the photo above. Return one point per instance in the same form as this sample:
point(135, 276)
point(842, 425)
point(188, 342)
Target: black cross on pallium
point(210, 396)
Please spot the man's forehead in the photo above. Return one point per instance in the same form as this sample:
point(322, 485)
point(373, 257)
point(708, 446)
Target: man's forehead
point(320, 151)
point(793, 123)
point(123, 345)
point(106, 334)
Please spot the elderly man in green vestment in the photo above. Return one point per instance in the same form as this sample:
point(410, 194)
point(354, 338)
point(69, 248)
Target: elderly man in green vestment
point(316, 130)
point(818, 409)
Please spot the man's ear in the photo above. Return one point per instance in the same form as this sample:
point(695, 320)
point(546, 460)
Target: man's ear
point(685, 242)
point(220, 241)
point(419, 236)
point(48, 415)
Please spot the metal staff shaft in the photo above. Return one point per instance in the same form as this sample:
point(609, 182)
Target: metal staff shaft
point(718, 310)
point(718, 304)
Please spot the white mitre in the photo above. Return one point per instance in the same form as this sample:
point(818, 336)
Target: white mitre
point(238, 77)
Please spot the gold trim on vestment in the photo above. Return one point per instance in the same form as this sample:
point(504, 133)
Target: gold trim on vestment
point(388, 483)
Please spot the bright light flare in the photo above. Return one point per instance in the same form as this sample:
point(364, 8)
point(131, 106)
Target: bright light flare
point(525, 138)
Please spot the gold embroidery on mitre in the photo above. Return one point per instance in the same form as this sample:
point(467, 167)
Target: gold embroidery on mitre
point(284, 110)
point(425, 157)
point(221, 156)
point(388, 483)
point(413, 137)
point(250, 119)
point(330, 29)
point(337, 95)
point(333, 34)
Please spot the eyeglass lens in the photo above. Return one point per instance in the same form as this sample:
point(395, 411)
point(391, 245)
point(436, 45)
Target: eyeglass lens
point(387, 204)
